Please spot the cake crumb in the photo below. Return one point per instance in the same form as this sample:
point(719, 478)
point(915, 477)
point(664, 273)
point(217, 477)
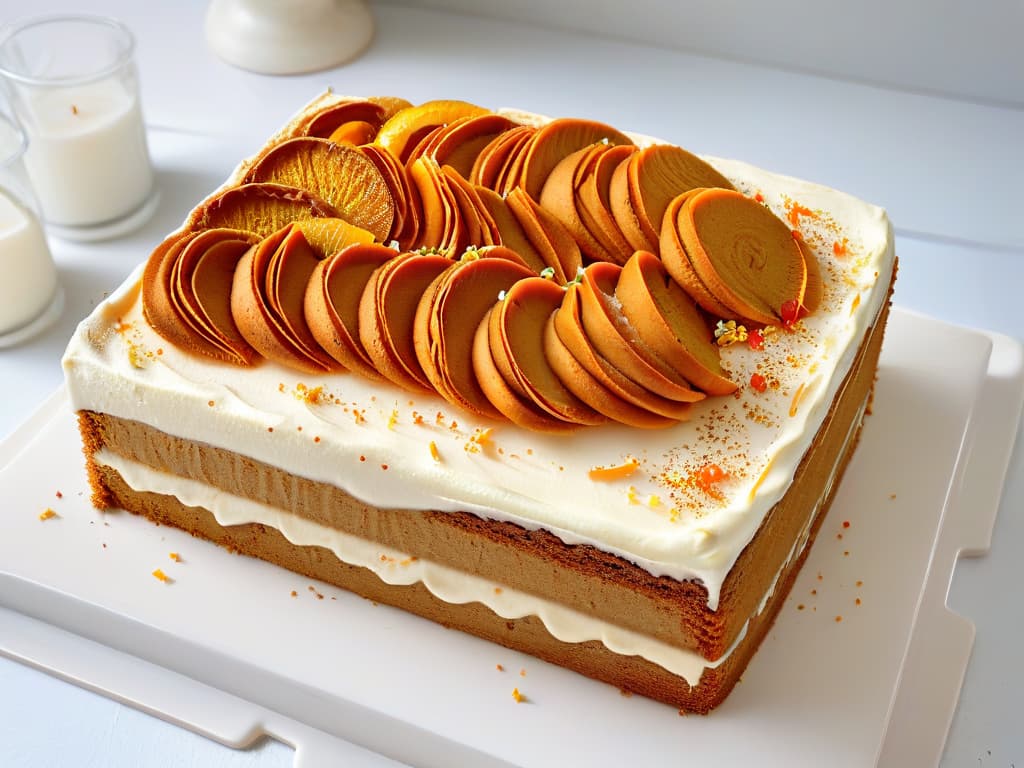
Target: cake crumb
point(892, 496)
point(860, 583)
point(434, 453)
point(159, 575)
point(683, 713)
point(857, 601)
point(846, 553)
point(499, 667)
point(519, 697)
point(497, 590)
point(174, 556)
point(626, 694)
point(47, 514)
point(522, 672)
point(294, 593)
point(800, 607)
point(59, 495)
point(838, 619)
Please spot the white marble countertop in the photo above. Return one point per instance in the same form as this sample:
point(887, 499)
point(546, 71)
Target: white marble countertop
point(947, 170)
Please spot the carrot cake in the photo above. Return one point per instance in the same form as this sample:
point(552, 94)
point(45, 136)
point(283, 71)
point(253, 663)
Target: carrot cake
point(576, 391)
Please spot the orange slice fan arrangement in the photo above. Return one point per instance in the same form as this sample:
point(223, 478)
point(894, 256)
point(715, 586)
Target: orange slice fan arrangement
point(555, 276)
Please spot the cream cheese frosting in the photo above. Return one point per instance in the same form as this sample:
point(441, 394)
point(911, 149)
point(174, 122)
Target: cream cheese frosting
point(393, 449)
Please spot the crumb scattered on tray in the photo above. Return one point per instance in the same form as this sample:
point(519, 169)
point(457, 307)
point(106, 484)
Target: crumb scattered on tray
point(499, 667)
point(175, 557)
point(522, 673)
point(519, 697)
point(159, 575)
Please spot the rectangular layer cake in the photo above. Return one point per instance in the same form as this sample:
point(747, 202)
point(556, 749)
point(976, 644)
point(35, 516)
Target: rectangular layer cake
point(654, 559)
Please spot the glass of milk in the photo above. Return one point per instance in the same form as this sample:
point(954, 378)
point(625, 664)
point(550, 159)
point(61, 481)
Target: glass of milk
point(30, 295)
point(73, 86)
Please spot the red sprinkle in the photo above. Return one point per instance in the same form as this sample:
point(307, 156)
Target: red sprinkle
point(790, 313)
point(758, 382)
point(755, 340)
point(846, 523)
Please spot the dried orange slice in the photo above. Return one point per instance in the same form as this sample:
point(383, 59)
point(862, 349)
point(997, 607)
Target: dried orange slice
point(259, 208)
point(667, 321)
point(569, 327)
point(186, 293)
point(556, 140)
point(547, 235)
point(659, 173)
point(460, 143)
point(328, 235)
point(331, 303)
point(517, 347)
point(745, 254)
point(516, 408)
point(267, 301)
point(408, 125)
point(592, 200)
point(332, 118)
point(510, 233)
point(677, 261)
point(386, 313)
point(405, 227)
point(491, 161)
point(558, 197)
point(588, 388)
point(343, 176)
point(619, 343)
point(446, 320)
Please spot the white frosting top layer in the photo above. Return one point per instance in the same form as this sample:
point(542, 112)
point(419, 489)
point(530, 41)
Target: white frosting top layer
point(375, 441)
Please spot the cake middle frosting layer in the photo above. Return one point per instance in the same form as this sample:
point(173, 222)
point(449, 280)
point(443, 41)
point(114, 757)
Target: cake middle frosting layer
point(682, 501)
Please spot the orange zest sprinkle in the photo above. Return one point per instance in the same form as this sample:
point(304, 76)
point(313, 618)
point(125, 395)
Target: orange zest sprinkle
point(47, 513)
point(175, 557)
point(855, 303)
point(759, 197)
point(393, 418)
point(839, 247)
point(796, 211)
point(761, 479)
point(434, 454)
point(520, 698)
point(499, 667)
point(795, 403)
point(161, 576)
point(618, 472)
point(74, 109)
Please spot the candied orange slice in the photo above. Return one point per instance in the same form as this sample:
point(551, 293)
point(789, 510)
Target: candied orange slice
point(330, 119)
point(569, 327)
point(492, 159)
point(517, 347)
point(186, 293)
point(510, 233)
point(745, 254)
point(480, 228)
point(259, 208)
point(659, 173)
point(667, 321)
point(397, 133)
point(267, 301)
point(354, 133)
point(589, 388)
point(547, 235)
point(331, 303)
point(343, 176)
point(677, 261)
point(592, 200)
point(440, 209)
point(386, 313)
point(516, 408)
point(446, 320)
point(328, 235)
point(619, 343)
point(555, 141)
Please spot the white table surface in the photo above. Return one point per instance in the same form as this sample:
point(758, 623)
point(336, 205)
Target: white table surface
point(948, 172)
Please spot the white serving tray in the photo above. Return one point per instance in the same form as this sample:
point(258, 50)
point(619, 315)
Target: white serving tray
point(225, 650)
